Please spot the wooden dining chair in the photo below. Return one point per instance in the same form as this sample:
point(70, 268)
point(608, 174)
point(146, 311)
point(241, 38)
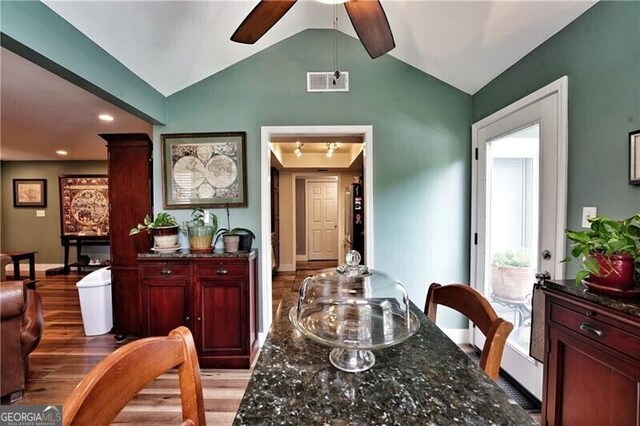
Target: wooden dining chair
point(111, 384)
point(474, 306)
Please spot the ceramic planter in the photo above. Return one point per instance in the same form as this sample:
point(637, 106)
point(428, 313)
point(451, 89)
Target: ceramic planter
point(200, 237)
point(165, 236)
point(615, 271)
point(231, 243)
point(512, 283)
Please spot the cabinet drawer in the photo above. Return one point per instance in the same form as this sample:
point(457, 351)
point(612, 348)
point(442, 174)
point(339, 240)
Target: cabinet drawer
point(221, 269)
point(165, 270)
point(597, 328)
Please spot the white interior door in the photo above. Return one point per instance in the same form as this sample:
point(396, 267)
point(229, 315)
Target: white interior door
point(322, 220)
point(519, 209)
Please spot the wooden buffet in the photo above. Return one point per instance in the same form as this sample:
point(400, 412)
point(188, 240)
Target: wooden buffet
point(592, 358)
point(214, 295)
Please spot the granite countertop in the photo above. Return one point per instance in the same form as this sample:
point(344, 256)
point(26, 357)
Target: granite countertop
point(186, 254)
point(425, 380)
point(629, 306)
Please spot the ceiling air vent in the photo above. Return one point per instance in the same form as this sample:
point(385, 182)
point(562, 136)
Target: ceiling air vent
point(326, 82)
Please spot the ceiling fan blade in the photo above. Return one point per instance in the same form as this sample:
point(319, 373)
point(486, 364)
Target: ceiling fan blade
point(260, 20)
point(371, 25)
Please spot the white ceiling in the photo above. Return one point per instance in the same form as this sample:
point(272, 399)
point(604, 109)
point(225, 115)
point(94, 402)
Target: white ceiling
point(173, 44)
point(42, 113)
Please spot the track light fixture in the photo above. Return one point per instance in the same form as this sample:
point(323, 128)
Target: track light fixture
point(331, 148)
point(298, 150)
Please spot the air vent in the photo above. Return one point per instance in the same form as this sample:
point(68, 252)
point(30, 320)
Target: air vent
point(325, 82)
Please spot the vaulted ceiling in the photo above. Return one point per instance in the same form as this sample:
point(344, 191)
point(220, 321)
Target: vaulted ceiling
point(173, 44)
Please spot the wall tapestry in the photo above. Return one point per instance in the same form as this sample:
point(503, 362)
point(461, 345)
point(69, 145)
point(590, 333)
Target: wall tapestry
point(84, 204)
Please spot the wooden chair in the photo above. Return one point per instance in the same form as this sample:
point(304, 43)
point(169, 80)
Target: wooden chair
point(474, 306)
point(111, 384)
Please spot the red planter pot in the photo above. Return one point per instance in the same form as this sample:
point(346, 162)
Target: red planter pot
point(615, 271)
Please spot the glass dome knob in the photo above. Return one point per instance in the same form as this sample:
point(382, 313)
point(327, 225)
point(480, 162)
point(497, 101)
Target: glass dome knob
point(353, 258)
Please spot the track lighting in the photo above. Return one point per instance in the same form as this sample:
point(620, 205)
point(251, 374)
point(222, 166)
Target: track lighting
point(331, 148)
point(298, 150)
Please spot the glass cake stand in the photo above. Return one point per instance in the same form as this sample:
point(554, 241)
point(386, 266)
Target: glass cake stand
point(355, 310)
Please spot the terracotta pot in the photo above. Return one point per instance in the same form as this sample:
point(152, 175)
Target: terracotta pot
point(615, 271)
point(231, 243)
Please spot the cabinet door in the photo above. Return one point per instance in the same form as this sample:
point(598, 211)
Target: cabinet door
point(587, 384)
point(166, 305)
point(221, 317)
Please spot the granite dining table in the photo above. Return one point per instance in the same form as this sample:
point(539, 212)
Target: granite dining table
point(425, 380)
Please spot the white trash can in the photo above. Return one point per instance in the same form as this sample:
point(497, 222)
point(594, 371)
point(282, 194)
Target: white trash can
point(95, 302)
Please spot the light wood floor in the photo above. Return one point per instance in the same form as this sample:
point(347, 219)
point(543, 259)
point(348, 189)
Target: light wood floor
point(65, 355)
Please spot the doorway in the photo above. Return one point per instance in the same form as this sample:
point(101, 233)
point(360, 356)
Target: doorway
point(365, 135)
point(519, 214)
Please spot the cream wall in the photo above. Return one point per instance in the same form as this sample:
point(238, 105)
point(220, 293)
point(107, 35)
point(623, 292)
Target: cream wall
point(287, 247)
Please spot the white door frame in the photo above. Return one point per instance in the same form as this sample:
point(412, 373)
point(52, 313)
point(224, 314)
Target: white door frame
point(267, 132)
point(339, 231)
point(307, 177)
point(560, 88)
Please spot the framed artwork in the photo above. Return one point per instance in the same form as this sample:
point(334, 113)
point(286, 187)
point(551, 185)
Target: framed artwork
point(84, 204)
point(204, 170)
point(634, 158)
point(29, 193)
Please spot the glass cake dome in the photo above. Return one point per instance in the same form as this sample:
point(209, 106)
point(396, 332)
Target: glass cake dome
point(355, 310)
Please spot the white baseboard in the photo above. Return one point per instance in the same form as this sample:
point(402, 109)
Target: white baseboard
point(286, 267)
point(302, 258)
point(458, 335)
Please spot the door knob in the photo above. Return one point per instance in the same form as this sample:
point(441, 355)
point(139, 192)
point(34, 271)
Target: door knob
point(546, 254)
point(542, 277)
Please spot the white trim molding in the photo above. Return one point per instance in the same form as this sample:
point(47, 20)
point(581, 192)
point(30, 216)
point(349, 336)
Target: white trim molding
point(265, 304)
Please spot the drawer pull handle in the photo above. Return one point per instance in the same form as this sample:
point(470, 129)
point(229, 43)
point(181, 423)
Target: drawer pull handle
point(186, 319)
point(199, 319)
point(222, 271)
point(166, 271)
point(591, 329)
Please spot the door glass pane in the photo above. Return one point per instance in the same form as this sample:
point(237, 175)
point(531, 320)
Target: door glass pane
point(512, 218)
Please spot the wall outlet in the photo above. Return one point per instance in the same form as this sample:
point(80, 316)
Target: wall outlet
point(39, 213)
point(588, 212)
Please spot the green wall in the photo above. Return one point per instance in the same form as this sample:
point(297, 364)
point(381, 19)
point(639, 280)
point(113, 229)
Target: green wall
point(21, 229)
point(32, 30)
point(600, 53)
point(421, 144)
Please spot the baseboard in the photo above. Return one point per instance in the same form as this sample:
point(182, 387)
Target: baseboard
point(458, 335)
point(302, 258)
point(40, 267)
point(286, 267)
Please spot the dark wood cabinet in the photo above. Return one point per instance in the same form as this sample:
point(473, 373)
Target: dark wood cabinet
point(130, 199)
point(592, 364)
point(214, 296)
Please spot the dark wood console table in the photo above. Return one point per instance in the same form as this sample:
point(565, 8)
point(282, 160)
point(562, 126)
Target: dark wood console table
point(79, 241)
point(16, 257)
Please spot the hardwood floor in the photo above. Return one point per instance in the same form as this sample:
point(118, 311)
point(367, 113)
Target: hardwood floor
point(65, 355)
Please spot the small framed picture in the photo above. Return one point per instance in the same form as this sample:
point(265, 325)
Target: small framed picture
point(634, 157)
point(29, 193)
point(204, 170)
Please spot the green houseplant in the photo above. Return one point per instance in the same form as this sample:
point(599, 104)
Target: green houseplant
point(609, 251)
point(200, 230)
point(164, 229)
point(512, 275)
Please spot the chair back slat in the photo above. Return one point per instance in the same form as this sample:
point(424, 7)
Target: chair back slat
point(479, 311)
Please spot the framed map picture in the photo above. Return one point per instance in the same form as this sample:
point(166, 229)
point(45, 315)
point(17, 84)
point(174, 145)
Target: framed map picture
point(84, 204)
point(204, 170)
point(29, 193)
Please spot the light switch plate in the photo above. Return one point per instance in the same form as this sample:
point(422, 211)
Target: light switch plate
point(39, 213)
point(588, 212)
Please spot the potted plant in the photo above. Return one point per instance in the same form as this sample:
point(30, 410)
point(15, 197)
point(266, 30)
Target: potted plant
point(609, 251)
point(200, 230)
point(236, 239)
point(512, 275)
point(164, 229)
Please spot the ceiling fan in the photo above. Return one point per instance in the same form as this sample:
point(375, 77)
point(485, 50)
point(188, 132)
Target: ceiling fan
point(367, 16)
